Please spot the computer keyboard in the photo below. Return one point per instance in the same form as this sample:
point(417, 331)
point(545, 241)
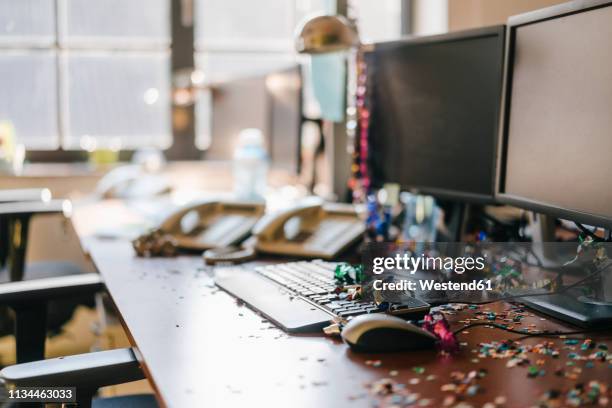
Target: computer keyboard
point(300, 296)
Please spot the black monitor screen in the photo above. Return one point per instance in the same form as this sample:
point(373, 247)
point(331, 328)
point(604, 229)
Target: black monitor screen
point(434, 105)
point(557, 154)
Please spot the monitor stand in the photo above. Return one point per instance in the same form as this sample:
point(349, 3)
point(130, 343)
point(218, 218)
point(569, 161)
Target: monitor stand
point(572, 310)
point(458, 221)
point(579, 310)
point(543, 234)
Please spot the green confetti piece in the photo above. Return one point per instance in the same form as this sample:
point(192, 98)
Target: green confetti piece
point(533, 371)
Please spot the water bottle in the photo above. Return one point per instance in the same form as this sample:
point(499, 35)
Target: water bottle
point(421, 219)
point(250, 166)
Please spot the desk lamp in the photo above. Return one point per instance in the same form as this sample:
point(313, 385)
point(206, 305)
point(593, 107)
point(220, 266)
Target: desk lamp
point(323, 34)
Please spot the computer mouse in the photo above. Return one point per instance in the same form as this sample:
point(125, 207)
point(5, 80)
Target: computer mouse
point(378, 332)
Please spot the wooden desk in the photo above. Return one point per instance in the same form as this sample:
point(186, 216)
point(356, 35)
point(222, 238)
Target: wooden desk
point(201, 348)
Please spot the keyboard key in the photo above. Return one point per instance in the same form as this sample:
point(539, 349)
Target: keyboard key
point(351, 313)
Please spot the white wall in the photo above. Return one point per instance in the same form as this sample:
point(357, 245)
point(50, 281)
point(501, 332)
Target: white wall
point(430, 17)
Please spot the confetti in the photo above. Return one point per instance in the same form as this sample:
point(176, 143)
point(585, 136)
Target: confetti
point(411, 399)
point(449, 400)
point(472, 390)
point(532, 371)
point(593, 393)
point(382, 387)
point(425, 402)
point(565, 358)
point(373, 363)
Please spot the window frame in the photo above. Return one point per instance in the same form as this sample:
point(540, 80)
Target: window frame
point(59, 45)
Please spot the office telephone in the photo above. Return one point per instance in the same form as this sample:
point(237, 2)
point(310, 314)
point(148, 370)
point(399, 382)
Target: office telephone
point(131, 181)
point(212, 224)
point(201, 226)
point(312, 230)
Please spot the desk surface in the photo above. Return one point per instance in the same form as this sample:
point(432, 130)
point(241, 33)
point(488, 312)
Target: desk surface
point(200, 347)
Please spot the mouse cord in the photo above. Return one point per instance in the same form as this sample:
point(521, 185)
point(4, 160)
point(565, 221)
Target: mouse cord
point(527, 334)
point(561, 290)
point(591, 233)
point(540, 333)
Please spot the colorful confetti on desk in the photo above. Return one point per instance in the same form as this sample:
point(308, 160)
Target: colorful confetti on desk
point(541, 360)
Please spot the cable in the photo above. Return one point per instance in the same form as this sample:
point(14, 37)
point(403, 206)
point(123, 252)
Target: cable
point(542, 333)
point(526, 334)
point(589, 233)
point(537, 258)
point(525, 257)
point(561, 290)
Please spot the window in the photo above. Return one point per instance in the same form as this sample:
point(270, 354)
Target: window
point(238, 38)
point(379, 20)
point(75, 69)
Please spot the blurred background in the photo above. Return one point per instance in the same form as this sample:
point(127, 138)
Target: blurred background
point(80, 75)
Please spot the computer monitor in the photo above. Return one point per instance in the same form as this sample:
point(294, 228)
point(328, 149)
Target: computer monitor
point(271, 102)
point(556, 133)
point(434, 105)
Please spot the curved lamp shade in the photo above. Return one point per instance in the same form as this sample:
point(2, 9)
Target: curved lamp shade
point(323, 34)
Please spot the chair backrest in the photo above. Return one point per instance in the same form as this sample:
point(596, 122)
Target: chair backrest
point(11, 196)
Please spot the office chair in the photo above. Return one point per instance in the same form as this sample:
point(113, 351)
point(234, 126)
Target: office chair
point(87, 373)
point(25, 194)
point(30, 299)
point(17, 195)
point(15, 220)
point(17, 208)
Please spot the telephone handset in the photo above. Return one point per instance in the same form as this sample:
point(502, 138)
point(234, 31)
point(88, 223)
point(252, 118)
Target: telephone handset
point(212, 224)
point(312, 230)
